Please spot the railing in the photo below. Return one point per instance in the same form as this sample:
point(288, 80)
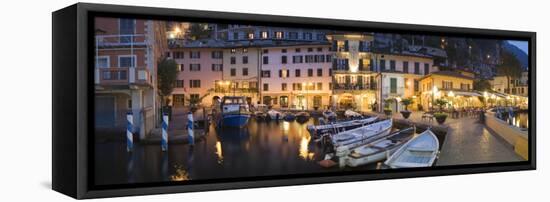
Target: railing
point(354, 87)
point(120, 40)
point(122, 76)
point(236, 90)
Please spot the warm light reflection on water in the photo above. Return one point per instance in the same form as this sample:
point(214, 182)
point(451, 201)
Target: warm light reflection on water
point(219, 152)
point(181, 174)
point(304, 150)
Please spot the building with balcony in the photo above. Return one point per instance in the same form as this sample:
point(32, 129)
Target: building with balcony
point(127, 52)
point(235, 33)
point(518, 86)
point(240, 74)
point(296, 76)
point(454, 86)
point(200, 67)
point(354, 79)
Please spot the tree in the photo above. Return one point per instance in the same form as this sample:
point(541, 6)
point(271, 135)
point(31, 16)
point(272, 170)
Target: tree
point(199, 31)
point(406, 102)
point(510, 67)
point(482, 85)
point(440, 103)
point(167, 73)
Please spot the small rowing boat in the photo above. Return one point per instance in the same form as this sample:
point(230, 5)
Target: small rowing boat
point(420, 151)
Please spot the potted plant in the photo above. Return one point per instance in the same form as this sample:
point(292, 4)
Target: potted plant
point(387, 109)
point(440, 117)
point(406, 102)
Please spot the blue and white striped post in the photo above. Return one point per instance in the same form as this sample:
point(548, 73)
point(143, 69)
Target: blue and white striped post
point(164, 139)
point(129, 135)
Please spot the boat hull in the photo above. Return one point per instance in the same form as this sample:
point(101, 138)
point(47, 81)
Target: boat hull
point(235, 120)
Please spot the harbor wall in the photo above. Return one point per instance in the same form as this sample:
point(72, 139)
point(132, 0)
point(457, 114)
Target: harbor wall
point(513, 135)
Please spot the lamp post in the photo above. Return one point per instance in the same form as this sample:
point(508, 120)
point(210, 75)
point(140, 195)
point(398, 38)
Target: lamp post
point(434, 91)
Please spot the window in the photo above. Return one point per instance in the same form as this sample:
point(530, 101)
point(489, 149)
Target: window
point(320, 58)
point(284, 87)
point(250, 35)
point(279, 35)
point(266, 73)
point(297, 59)
point(393, 85)
point(309, 49)
point(217, 67)
point(178, 55)
point(233, 50)
point(283, 50)
point(195, 54)
point(465, 86)
point(426, 68)
point(194, 83)
point(264, 35)
point(233, 60)
point(283, 59)
point(194, 97)
point(297, 73)
point(319, 72)
point(265, 51)
point(129, 104)
point(127, 29)
point(297, 50)
point(328, 58)
point(308, 36)
point(265, 60)
point(283, 73)
point(319, 49)
point(182, 67)
point(329, 72)
point(245, 71)
point(245, 50)
point(235, 36)
point(266, 87)
point(319, 86)
point(447, 85)
point(126, 61)
point(416, 85)
point(309, 72)
point(417, 68)
point(392, 65)
point(406, 66)
point(293, 35)
point(217, 54)
point(195, 67)
point(245, 59)
point(102, 62)
point(233, 72)
point(179, 83)
point(309, 59)
point(382, 65)
point(320, 36)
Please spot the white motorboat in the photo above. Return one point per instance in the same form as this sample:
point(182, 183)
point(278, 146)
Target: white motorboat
point(344, 142)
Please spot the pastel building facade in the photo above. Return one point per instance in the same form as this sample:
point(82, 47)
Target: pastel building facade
point(200, 71)
point(296, 77)
point(126, 56)
point(241, 73)
point(454, 86)
point(518, 86)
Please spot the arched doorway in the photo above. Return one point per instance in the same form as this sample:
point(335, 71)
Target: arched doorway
point(346, 101)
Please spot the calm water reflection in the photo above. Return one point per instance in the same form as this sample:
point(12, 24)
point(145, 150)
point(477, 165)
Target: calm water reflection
point(520, 120)
point(261, 149)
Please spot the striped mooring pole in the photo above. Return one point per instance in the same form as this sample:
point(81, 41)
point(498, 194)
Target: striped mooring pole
point(129, 135)
point(164, 139)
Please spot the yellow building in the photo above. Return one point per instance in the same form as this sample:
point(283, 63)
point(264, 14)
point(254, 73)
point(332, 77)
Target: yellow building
point(453, 86)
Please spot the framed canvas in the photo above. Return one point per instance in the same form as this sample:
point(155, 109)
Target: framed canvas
point(157, 100)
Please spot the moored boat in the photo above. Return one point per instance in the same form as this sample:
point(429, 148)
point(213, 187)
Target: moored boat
point(302, 117)
point(379, 149)
point(350, 114)
point(321, 130)
point(329, 115)
point(420, 151)
point(274, 114)
point(344, 142)
point(234, 111)
point(289, 116)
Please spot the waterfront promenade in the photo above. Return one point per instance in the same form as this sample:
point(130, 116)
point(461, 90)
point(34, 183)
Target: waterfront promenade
point(468, 142)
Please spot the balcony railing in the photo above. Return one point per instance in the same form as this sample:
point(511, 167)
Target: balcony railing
point(351, 86)
point(125, 40)
point(236, 90)
point(122, 76)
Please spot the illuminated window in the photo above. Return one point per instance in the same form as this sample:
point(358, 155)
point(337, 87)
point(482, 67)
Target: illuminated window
point(264, 35)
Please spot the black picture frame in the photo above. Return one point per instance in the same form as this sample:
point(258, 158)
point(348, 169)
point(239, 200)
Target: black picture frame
point(73, 92)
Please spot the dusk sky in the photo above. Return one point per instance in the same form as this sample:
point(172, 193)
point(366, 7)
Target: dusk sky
point(523, 45)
